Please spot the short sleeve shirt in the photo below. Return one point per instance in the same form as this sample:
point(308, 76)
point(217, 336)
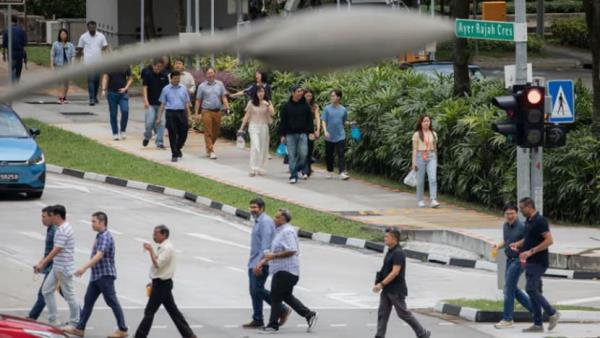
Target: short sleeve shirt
point(211, 95)
point(512, 233)
point(260, 114)
point(106, 266)
point(536, 227)
point(65, 239)
point(174, 98)
point(335, 117)
point(285, 239)
point(395, 256)
point(155, 83)
point(118, 79)
point(92, 46)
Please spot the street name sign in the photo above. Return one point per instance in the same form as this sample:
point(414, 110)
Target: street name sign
point(563, 101)
point(490, 30)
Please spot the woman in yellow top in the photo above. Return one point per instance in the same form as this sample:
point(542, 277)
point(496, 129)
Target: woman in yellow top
point(424, 159)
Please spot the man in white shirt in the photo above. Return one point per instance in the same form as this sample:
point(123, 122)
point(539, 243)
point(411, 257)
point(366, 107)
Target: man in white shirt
point(91, 45)
point(162, 271)
point(187, 79)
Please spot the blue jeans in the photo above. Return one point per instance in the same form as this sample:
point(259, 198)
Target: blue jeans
point(511, 290)
point(297, 146)
point(93, 86)
point(106, 287)
point(116, 101)
point(258, 293)
point(430, 167)
point(534, 273)
point(150, 122)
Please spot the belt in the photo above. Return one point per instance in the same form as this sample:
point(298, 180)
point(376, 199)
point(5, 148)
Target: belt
point(175, 110)
point(212, 110)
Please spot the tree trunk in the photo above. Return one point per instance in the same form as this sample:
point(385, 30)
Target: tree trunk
point(149, 26)
point(462, 81)
point(592, 15)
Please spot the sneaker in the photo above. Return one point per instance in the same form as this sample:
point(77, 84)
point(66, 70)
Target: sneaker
point(73, 331)
point(427, 334)
point(421, 204)
point(174, 159)
point(434, 204)
point(123, 135)
point(504, 324)
point(293, 180)
point(553, 321)
point(61, 100)
point(255, 324)
point(312, 321)
point(213, 156)
point(285, 314)
point(145, 142)
point(252, 174)
point(268, 330)
point(329, 175)
point(119, 334)
point(115, 137)
point(161, 146)
point(92, 103)
point(534, 328)
point(304, 176)
point(344, 176)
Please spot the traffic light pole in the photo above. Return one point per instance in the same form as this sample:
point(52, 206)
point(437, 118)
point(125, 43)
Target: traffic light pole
point(529, 162)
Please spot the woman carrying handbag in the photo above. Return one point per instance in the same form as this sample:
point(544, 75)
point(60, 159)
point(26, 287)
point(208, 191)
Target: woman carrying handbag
point(424, 159)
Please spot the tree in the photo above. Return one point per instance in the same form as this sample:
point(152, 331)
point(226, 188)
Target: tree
point(592, 15)
point(149, 26)
point(57, 8)
point(462, 81)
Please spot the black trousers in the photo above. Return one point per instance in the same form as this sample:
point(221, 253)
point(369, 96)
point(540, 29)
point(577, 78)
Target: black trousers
point(387, 300)
point(338, 148)
point(162, 295)
point(282, 287)
point(177, 125)
point(309, 158)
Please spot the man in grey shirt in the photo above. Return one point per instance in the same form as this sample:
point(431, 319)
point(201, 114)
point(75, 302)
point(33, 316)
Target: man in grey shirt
point(63, 257)
point(210, 100)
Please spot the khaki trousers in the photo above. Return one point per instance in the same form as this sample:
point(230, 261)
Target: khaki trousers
point(212, 128)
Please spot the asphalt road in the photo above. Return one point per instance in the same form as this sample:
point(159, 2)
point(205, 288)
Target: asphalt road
point(211, 281)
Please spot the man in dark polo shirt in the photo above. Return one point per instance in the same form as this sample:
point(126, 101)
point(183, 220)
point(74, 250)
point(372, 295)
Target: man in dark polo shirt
point(534, 251)
point(513, 231)
point(391, 282)
point(154, 80)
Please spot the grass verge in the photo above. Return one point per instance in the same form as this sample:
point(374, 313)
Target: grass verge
point(498, 305)
point(70, 150)
point(39, 55)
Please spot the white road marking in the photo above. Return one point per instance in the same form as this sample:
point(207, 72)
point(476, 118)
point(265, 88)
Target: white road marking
point(116, 232)
point(129, 299)
point(229, 326)
point(34, 235)
point(578, 301)
point(43, 205)
point(349, 298)
point(191, 308)
point(232, 268)
point(204, 259)
point(218, 240)
point(446, 324)
point(339, 325)
point(302, 288)
point(301, 325)
point(196, 326)
point(68, 186)
point(159, 326)
point(371, 325)
point(141, 240)
point(85, 221)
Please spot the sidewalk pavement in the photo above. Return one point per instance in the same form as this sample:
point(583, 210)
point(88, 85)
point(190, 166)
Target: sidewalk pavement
point(354, 199)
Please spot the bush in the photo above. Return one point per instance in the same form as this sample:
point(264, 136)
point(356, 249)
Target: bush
point(551, 6)
point(535, 44)
point(572, 32)
point(476, 164)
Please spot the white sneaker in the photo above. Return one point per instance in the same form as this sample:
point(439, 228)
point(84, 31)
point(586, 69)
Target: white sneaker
point(421, 204)
point(213, 156)
point(328, 175)
point(304, 176)
point(344, 176)
point(504, 324)
point(293, 180)
point(115, 137)
point(434, 204)
point(123, 136)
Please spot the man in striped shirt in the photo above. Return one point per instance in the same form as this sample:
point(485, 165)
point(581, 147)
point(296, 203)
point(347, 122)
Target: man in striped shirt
point(102, 280)
point(63, 257)
point(284, 266)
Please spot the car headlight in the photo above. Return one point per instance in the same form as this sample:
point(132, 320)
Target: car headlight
point(37, 159)
point(42, 334)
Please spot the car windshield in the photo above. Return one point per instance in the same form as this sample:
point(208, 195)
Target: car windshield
point(11, 126)
point(432, 69)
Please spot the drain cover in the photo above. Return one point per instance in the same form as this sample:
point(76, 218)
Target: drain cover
point(77, 113)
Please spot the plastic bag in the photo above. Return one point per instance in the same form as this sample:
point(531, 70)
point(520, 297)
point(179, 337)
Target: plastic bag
point(355, 132)
point(281, 150)
point(411, 179)
point(240, 141)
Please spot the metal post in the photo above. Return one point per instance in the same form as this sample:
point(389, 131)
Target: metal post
point(432, 7)
point(212, 28)
point(188, 9)
point(142, 21)
point(537, 178)
point(540, 18)
point(10, 46)
point(338, 4)
point(523, 154)
point(240, 18)
point(197, 27)
point(349, 4)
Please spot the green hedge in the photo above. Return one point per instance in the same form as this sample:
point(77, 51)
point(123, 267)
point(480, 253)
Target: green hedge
point(475, 163)
point(572, 32)
point(551, 6)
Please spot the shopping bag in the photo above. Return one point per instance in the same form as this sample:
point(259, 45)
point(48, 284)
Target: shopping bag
point(411, 179)
point(240, 141)
point(281, 150)
point(355, 132)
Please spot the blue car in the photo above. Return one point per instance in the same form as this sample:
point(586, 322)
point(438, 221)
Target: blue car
point(22, 163)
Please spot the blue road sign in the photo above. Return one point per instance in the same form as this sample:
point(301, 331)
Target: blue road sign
point(563, 101)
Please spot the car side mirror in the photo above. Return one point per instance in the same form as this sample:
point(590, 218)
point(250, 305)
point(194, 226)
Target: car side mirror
point(35, 132)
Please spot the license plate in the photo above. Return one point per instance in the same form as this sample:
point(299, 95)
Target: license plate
point(9, 177)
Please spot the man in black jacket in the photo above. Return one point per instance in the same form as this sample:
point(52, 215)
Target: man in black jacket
point(296, 123)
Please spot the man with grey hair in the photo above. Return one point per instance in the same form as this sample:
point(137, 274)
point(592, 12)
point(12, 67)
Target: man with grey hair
point(285, 270)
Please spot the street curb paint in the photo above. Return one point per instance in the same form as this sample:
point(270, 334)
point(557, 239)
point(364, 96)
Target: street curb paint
point(480, 316)
point(319, 236)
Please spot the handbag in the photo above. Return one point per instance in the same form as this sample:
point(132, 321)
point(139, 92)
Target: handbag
point(240, 141)
point(411, 179)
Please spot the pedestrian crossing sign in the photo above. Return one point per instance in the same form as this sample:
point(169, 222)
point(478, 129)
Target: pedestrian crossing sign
point(563, 101)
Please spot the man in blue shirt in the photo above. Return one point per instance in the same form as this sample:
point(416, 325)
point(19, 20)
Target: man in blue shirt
point(19, 42)
point(263, 232)
point(102, 280)
point(39, 305)
point(334, 118)
point(534, 254)
point(513, 231)
point(175, 99)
